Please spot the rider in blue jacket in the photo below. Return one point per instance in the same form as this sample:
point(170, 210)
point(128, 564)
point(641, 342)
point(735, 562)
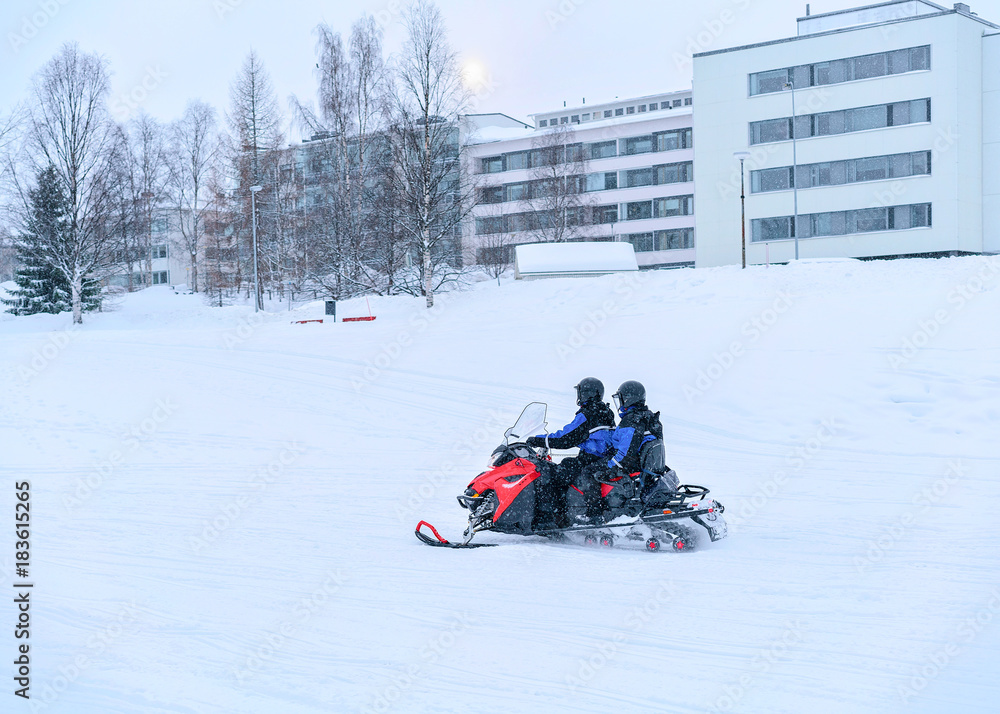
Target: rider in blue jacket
point(590, 431)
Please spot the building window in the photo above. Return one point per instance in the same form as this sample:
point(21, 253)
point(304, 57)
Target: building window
point(517, 160)
point(159, 225)
point(160, 277)
point(677, 239)
point(687, 101)
point(603, 149)
point(639, 177)
point(564, 120)
point(630, 110)
point(671, 140)
point(638, 210)
point(641, 242)
point(619, 112)
point(516, 191)
point(605, 214)
point(841, 122)
point(675, 173)
point(642, 108)
point(159, 251)
point(491, 194)
point(607, 113)
point(673, 206)
point(680, 239)
point(602, 181)
point(836, 223)
point(576, 216)
point(585, 116)
point(653, 106)
point(575, 118)
point(880, 64)
point(492, 165)
point(543, 122)
point(677, 102)
point(638, 145)
point(488, 225)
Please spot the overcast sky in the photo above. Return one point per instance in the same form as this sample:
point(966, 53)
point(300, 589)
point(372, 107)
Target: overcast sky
point(526, 55)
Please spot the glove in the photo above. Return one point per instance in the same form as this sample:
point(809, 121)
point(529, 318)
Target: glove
point(535, 441)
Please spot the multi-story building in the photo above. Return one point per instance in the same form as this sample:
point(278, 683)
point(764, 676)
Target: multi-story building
point(623, 172)
point(163, 263)
point(875, 132)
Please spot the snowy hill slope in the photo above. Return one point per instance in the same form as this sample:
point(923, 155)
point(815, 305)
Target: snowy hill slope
point(224, 504)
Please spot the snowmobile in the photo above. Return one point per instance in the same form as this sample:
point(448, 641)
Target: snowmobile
point(650, 509)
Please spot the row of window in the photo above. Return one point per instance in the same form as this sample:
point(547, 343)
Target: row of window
point(880, 64)
point(571, 153)
point(587, 215)
point(676, 239)
point(837, 223)
point(681, 172)
point(834, 173)
point(876, 116)
point(609, 113)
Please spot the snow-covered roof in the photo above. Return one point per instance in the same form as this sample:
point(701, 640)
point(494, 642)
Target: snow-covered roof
point(542, 260)
point(488, 135)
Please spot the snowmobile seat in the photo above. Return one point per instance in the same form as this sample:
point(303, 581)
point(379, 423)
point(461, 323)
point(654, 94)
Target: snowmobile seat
point(652, 459)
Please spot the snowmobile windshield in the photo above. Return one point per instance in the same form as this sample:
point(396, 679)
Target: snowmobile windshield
point(530, 423)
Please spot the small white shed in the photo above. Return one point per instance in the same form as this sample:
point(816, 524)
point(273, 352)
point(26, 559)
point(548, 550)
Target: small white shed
point(573, 260)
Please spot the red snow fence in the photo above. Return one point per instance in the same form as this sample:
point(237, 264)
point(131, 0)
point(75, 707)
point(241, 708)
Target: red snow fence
point(302, 322)
point(361, 319)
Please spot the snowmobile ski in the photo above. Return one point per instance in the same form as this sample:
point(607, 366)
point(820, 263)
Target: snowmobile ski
point(440, 542)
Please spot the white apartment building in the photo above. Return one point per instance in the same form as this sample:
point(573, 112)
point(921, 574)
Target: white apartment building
point(895, 138)
point(168, 262)
point(630, 164)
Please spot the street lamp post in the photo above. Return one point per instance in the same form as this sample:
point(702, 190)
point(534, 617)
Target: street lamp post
point(743, 156)
point(256, 280)
point(795, 185)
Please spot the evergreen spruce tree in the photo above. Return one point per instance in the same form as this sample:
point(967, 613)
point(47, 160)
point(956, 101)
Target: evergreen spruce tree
point(40, 286)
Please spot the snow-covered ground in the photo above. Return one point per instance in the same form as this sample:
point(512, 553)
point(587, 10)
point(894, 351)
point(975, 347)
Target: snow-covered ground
point(223, 506)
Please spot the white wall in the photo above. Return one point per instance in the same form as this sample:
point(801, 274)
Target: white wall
point(724, 111)
point(991, 143)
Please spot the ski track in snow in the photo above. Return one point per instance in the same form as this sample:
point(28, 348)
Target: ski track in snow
point(841, 585)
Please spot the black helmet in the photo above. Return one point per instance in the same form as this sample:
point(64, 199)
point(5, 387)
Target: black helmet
point(589, 388)
point(631, 392)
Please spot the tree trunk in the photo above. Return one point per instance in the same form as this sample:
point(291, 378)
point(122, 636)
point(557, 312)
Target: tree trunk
point(428, 275)
point(76, 288)
point(194, 272)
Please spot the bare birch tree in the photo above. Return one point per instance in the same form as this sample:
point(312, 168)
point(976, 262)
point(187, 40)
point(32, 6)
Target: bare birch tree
point(69, 128)
point(426, 148)
point(557, 194)
point(152, 174)
point(352, 106)
point(193, 150)
point(125, 215)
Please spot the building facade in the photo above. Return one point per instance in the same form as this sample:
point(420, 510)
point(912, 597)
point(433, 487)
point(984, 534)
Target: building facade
point(888, 114)
point(615, 171)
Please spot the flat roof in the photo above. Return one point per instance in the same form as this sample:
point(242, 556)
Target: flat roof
point(869, 7)
point(847, 29)
point(613, 102)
